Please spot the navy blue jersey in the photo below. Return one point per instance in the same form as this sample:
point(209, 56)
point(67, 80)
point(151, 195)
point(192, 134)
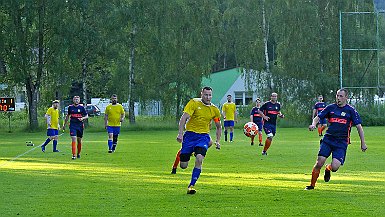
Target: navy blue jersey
point(75, 113)
point(256, 116)
point(319, 106)
point(341, 120)
point(271, 110)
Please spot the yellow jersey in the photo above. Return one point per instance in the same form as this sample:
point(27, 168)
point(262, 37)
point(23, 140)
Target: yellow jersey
point(54, 114)
point(201, 115)
point(229, 109)
point(113, 113)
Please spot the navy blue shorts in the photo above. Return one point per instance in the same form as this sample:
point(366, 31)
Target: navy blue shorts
point(52, 132)
point(192, 140)
point(113, 130)
point(228, 123)
point(336, 147)
point(322, 121)
point(269, 128)
point(78, 132)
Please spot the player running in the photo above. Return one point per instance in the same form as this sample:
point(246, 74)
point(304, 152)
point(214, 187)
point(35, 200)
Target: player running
point(113, 117)
point(257, 119)
point(199, 112)
point(341, 117)
point(318, 107)
point(77, 113)
point(53, 126)
point(229, 112)
point(269, 111)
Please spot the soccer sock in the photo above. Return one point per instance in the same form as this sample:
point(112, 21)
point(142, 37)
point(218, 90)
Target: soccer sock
point(323, 128)
point(260, 138)
point(109, 144)
point(46, 142)
point(231, 136)
point(314, 176)
point(195, 175)
point(177, 159)
point(73, 144)
point(79, 147)
point(319, 130)
point(267, 145)
point(225, 135)
point(328, 167)
point(54, 145)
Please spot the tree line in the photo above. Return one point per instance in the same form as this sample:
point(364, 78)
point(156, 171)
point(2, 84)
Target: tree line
point(147, 50)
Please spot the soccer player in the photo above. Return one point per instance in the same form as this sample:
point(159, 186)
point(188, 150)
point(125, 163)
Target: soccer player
point(113, 117)
point(199, 112)
point(341, 117)
point(269, 111)
point(318, 107)
point(257, 119)
point(229, 112)
point(77, 113)
point(53, 126)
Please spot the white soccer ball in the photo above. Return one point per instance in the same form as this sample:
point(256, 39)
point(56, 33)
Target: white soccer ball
point(250, 129)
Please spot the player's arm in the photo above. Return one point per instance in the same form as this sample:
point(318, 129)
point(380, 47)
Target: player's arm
point(105, 120)
point(65, 121)
point(314, 123)
point(251, 118)
point(263, 116)
point(281, 115)
point(360, 131)
point(122, 117)
point(314, 113)
point(48, 120)
point(182, 123)
point(218, 133)
point(235, 115)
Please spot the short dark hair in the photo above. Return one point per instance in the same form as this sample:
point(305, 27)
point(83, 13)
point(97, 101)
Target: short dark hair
point(229, 95)
point(207, 88)
point(114, 95)
point(258, 99)
point(344, 90)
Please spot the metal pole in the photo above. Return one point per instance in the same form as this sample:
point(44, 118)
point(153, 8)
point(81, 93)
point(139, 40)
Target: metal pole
point(340, 16)
point(378, 61)
point(9, 122)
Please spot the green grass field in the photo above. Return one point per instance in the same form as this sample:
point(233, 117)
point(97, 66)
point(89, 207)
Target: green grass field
point(235, 181)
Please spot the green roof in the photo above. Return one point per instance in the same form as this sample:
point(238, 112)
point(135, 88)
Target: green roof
point(221, 82)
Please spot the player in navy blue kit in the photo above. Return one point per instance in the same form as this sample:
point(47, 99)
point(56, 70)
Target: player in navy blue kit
point(257, 119)
point(270, 110)
point(77, 113)
point(318, 107)
point(341, 117)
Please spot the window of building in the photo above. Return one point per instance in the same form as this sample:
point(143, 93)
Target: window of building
point(243, 98)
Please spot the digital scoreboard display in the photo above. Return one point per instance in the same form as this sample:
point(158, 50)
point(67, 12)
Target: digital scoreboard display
point(7, 104)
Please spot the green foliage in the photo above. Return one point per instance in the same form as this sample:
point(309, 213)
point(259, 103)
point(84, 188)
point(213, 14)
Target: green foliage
point(235, 181)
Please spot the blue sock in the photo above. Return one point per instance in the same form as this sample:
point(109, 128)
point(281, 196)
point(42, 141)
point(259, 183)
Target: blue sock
point(231, 136)
point(46, 142)
point(54, 145)
point(109, 144)
point(195, 175)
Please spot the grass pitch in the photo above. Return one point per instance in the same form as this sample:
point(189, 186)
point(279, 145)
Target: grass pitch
point(235, 181)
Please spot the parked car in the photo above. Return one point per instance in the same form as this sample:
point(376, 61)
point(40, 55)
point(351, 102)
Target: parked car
point(91, 109)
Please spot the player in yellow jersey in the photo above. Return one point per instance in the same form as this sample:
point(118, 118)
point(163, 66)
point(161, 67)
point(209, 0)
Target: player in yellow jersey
point(53, 127)
point(113, 117)
point(229, 112)
point(197, 116)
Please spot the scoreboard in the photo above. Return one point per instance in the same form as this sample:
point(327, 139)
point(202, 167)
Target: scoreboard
point(7, 104)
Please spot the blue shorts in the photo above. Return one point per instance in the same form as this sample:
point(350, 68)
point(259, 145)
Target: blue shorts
point(78, 132)
point(260, 125)
point(113, 130)
point(228, 123)
point(336, 147)
point(52, 132)
point(269, 128)
point(322, 121)
point(192, 140)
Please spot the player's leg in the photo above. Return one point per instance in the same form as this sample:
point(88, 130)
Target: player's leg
point(50, 135)
point(231, 127)
point(176, 162)
point(54, 142)
point(115, 138)
point(338, 159)
point(252, 140)
point(323, 154)
point(73, 142)
point(110, 136)
point(225, 124)
point(270, 133)
point(79, 140)
point(260, 127)
point(200, 154)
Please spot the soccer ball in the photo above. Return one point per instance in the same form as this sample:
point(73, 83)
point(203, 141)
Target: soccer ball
point(250, 129)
